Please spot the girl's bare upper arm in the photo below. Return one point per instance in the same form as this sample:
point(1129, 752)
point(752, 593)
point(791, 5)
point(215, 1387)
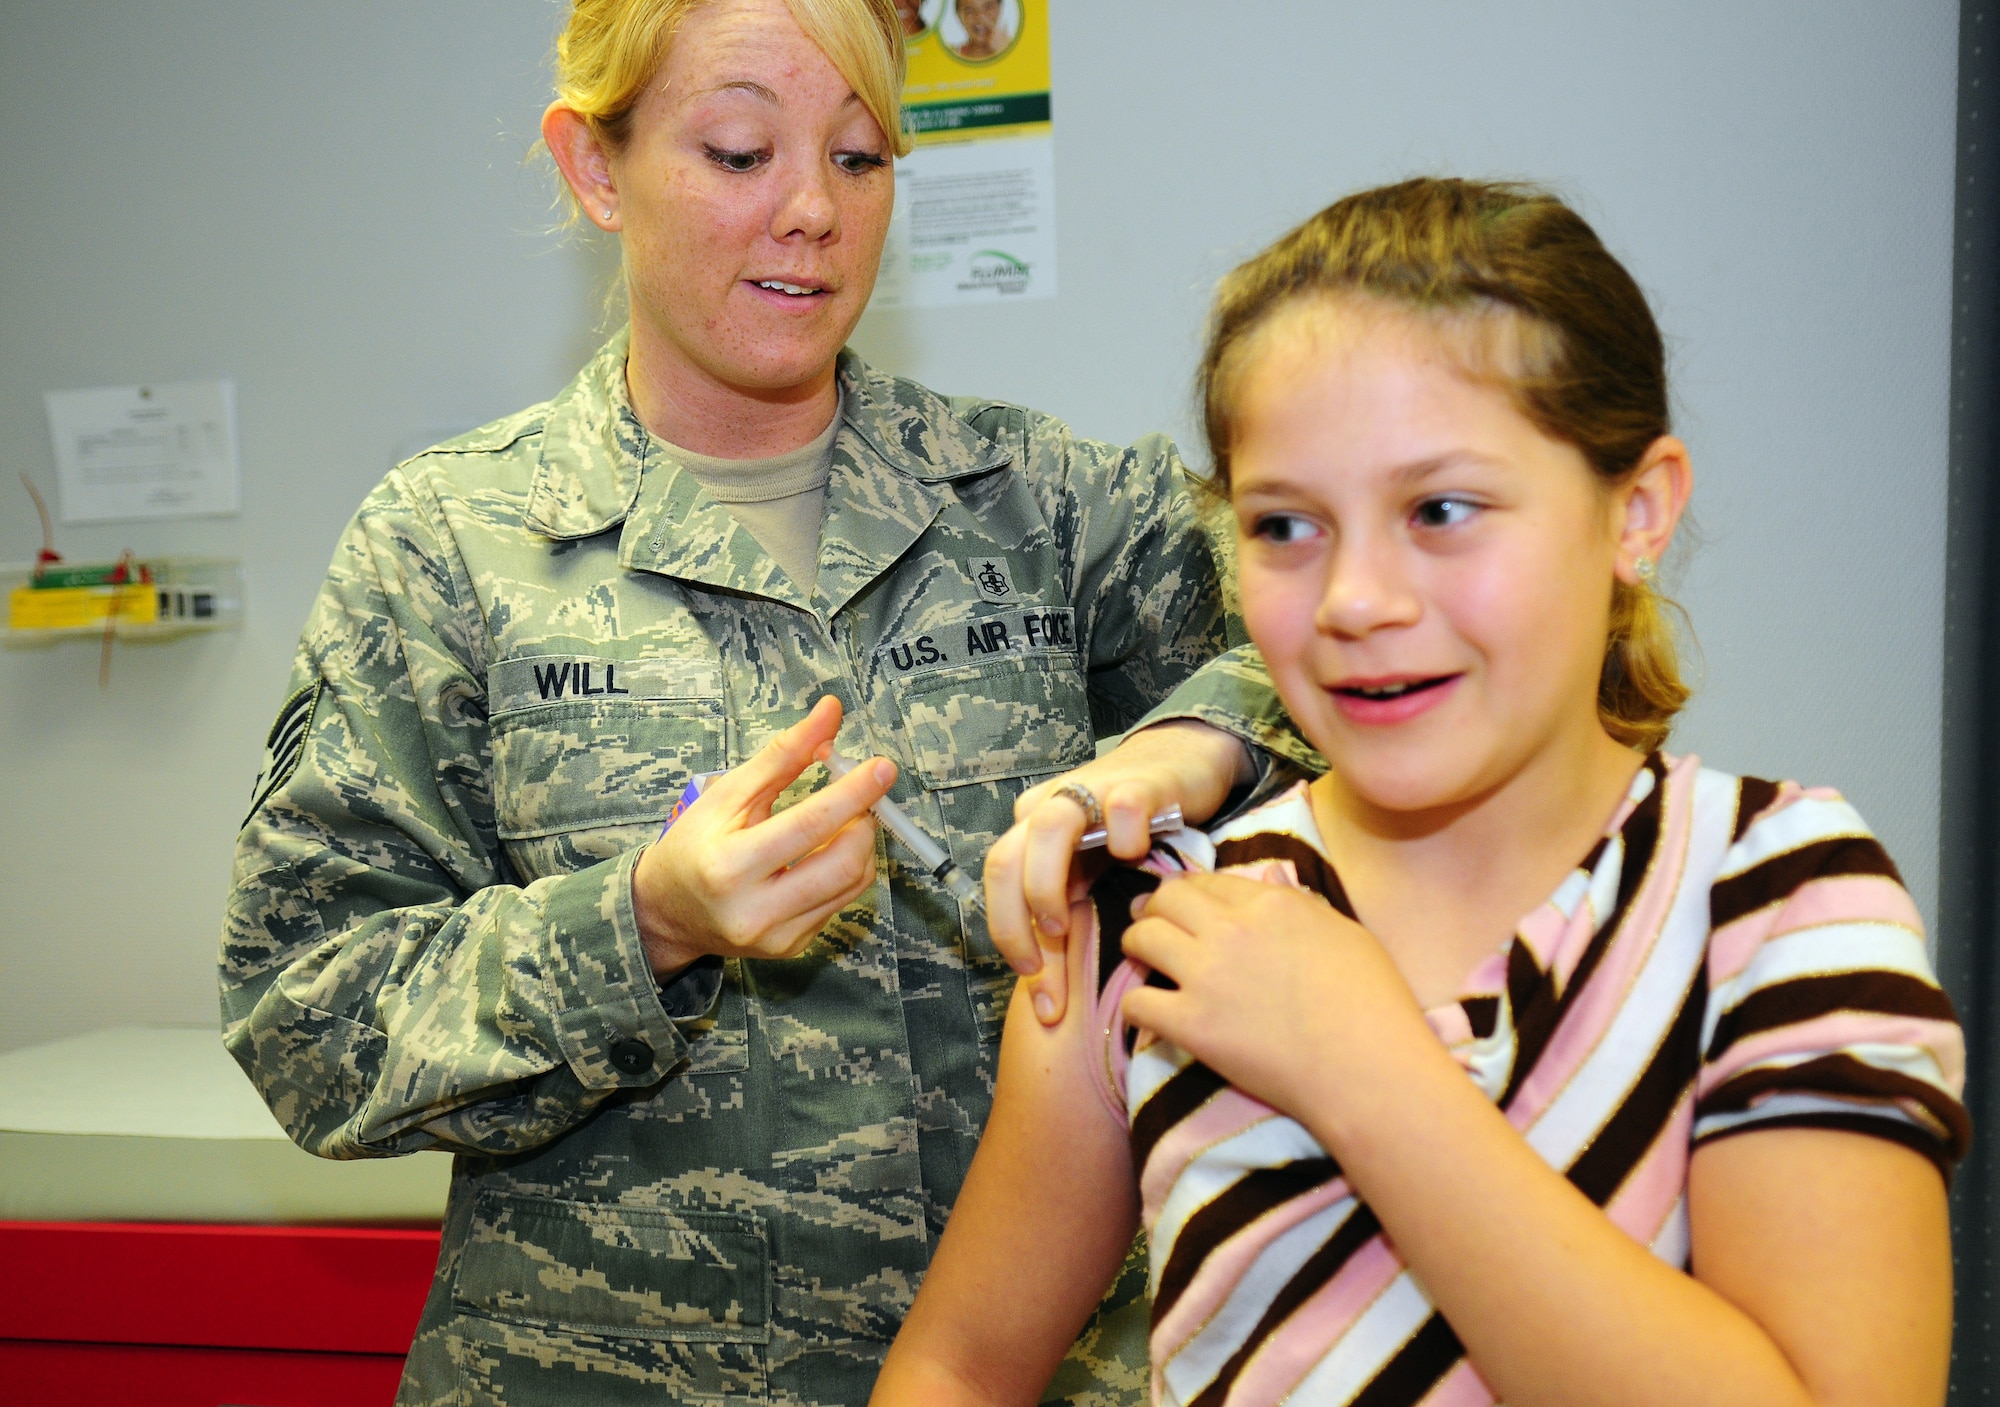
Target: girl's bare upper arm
point(1837, 1245)
point(1044, 1220)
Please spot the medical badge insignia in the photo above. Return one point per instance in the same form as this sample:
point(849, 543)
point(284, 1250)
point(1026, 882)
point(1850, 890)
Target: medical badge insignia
point(992, 579)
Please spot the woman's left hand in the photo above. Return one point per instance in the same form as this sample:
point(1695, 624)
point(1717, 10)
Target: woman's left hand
point(1030, 871)
point(1278, 992)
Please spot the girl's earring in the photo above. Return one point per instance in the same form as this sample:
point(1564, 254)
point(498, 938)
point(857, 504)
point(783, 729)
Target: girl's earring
point(607, 212)
point(1644, 567)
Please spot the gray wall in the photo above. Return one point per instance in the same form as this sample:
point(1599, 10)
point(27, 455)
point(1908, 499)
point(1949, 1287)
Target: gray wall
point(329, 203)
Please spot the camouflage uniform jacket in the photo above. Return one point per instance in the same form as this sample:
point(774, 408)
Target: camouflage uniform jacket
point(529, 637)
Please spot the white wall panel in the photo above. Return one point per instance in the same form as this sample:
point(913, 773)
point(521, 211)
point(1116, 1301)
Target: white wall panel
point(331, 204)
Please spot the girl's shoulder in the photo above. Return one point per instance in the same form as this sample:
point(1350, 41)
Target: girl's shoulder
point(1772, 838)
point(1822, 1007)
point(1288, 813)
point(1759, 840)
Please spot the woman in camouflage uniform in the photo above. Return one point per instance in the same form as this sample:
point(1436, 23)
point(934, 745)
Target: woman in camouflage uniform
point(711, 1097)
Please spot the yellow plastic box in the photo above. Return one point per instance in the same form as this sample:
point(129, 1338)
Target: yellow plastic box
point(69, 607)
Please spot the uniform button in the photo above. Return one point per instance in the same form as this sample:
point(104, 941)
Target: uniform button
point(634, 1057)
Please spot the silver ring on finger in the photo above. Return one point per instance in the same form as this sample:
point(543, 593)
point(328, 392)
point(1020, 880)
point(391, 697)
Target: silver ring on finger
point(1093, 814)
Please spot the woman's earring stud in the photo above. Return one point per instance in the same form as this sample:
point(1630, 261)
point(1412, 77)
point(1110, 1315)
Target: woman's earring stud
point(1644, 567)
point(607, 212)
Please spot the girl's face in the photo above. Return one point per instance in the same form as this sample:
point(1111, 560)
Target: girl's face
point(753, 195)
point(1427, 574)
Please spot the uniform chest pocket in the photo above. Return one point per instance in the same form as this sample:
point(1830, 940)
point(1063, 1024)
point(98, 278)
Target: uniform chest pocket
point(978, 736)
point(589, 764)
point(998, 721)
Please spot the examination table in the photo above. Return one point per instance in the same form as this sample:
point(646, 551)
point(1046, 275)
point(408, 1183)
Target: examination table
point(163, 1244)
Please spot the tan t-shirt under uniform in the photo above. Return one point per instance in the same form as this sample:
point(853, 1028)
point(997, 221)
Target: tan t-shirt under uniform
point(780, 499)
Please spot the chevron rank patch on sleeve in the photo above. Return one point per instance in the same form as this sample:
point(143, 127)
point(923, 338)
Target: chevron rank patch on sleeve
point(285, 746)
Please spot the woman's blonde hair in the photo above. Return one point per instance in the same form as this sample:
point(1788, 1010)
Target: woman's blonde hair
point(610, 50)
point(1530, 300)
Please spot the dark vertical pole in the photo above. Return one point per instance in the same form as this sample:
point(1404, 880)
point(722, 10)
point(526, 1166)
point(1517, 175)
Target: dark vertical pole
point(1969, 898)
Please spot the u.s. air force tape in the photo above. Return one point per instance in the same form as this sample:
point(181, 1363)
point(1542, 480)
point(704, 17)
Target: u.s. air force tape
point(285, 745)
point(1035, 630)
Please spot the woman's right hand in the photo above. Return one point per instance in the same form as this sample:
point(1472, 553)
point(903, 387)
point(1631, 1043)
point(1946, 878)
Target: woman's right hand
point(729, 878)
point(1032, 877)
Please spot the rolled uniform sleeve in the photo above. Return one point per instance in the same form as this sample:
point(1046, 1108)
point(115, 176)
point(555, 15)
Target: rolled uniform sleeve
point(384, 984)
point(1146, 582)
point(1154, 577)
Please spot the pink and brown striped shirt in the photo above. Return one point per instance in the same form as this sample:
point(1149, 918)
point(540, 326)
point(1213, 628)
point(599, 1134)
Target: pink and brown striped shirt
point(1732, 955)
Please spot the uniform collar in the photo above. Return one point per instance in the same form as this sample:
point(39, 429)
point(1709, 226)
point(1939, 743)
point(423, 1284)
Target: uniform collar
point(593, 449)
point(595, 453)
point(911, 428)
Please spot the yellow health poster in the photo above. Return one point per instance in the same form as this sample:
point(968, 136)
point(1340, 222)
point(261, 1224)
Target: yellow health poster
point(975, 201)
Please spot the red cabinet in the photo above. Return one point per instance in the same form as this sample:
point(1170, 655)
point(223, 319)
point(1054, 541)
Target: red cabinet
point(146, 1315)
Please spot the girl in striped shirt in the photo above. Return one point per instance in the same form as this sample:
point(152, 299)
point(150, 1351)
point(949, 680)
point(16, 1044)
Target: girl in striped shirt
point(1676, 1135)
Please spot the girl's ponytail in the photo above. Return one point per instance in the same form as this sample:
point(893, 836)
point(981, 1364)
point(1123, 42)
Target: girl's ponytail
point(1640, 690)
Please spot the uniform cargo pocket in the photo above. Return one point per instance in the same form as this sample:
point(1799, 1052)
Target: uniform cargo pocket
point(620, 1272)
point(509, 1365)
point(990, 722)
point(585, 765)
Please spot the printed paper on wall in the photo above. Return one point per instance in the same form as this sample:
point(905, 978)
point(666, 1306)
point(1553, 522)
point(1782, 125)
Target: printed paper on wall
point(975, 201)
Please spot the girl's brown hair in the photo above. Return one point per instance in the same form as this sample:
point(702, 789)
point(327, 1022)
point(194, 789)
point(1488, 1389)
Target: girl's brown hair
point(1537, 306)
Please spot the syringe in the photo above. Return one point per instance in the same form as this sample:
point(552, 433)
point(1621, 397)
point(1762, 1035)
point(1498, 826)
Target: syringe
point(929, 853)
point(942, 867)
point(1163, 822)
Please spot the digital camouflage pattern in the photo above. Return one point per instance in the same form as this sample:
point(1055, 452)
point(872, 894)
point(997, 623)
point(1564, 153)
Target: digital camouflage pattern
point(529, 638)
